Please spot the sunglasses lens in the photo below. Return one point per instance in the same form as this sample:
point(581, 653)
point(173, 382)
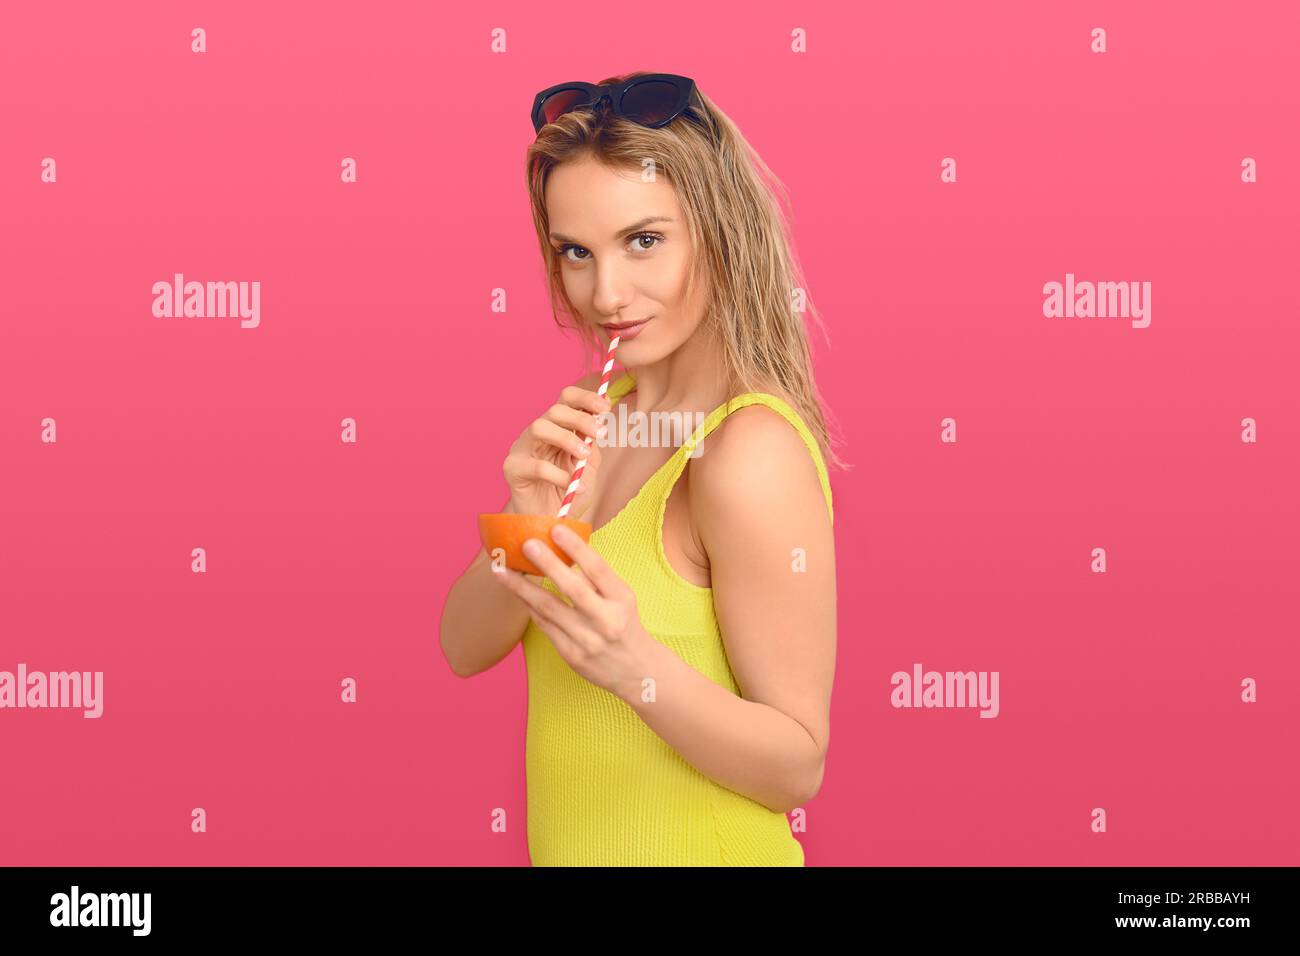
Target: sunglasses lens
point(651, 102)
point(557, 104)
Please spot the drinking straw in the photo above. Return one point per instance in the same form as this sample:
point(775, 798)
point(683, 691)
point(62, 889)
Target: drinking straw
point(577, 472)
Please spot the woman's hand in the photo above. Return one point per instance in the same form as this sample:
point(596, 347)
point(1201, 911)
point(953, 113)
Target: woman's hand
point(600, 636)
point(540, 463)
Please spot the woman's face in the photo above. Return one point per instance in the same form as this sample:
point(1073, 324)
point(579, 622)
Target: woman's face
point(618, 267)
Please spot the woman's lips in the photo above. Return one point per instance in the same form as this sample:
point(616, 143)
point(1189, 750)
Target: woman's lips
point(631, 332)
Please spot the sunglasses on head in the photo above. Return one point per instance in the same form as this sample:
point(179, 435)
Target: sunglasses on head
point(653, 100)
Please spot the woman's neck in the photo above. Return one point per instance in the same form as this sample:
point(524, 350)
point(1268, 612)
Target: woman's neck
point(690, 379)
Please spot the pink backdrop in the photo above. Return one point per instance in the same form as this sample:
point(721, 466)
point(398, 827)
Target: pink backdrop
point(329, 560)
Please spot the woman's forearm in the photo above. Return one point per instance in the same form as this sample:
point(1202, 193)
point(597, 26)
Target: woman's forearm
point(749, 747)
point(480, 623)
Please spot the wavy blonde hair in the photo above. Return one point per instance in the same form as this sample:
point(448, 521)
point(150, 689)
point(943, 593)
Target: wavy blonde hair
point(737, 224)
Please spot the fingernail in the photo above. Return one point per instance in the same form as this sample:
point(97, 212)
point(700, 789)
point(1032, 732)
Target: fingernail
point(532, 547)
point(583, 451)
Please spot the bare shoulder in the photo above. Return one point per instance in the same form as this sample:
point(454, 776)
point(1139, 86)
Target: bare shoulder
point(754, 461)
point(755, 493)
point(748, 435)
point(749, 441)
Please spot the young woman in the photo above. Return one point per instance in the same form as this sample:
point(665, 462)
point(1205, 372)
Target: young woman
point(679, 673)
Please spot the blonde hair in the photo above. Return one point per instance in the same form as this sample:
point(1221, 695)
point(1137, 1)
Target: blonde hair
point(737, 226)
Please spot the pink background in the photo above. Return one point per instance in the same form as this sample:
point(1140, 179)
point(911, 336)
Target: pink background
point(325, 560)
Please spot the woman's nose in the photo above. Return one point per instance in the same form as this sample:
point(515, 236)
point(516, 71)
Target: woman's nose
point(612, 294)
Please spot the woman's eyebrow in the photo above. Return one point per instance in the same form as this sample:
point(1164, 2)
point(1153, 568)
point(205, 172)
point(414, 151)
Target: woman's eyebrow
point(622, 232)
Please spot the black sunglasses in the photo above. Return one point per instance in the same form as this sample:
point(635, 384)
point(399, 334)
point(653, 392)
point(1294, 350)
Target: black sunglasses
point(653, 99)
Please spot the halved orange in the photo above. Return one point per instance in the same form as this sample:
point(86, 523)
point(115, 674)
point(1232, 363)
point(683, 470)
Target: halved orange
point(509, 532)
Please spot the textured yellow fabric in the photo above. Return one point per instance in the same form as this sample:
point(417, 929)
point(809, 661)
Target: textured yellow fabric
point(603, 788)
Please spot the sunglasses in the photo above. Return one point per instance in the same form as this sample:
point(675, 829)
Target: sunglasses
point(654, 99)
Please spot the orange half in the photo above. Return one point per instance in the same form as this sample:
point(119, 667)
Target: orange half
point(509, 532)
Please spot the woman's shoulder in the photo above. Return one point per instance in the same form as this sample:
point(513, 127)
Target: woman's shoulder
point(753, 436)
point(758, 419)
point(777, 392)
point(756, 430)
point(753, 463)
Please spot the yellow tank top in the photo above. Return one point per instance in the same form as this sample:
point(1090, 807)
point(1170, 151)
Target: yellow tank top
point(603, 788)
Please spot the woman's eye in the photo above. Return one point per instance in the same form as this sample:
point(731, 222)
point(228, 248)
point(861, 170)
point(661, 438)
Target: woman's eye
point(565, 249)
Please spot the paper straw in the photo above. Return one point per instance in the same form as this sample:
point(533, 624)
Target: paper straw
point(572, 491)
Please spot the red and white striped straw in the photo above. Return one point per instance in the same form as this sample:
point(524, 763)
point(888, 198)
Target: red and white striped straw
point(572, 491)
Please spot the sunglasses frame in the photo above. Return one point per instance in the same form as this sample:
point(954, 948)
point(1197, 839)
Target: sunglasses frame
point(614, 93)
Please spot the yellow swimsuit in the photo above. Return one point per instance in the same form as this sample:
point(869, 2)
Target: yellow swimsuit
point(603, 788)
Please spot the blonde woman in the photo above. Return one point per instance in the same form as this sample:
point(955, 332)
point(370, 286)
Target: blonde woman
point(679, 673)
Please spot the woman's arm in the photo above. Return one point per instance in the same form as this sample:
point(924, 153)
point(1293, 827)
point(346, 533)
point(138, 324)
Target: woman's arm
point(479, 625)
point(757, 501)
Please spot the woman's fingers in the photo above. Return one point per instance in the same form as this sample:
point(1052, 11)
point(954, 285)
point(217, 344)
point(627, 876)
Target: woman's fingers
point(571, 584)
point(584, 423)
point(598, 573)
point(572, 428)
point(542, 604)
point(584, 398)
point(526, 466)
point(548, 432)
